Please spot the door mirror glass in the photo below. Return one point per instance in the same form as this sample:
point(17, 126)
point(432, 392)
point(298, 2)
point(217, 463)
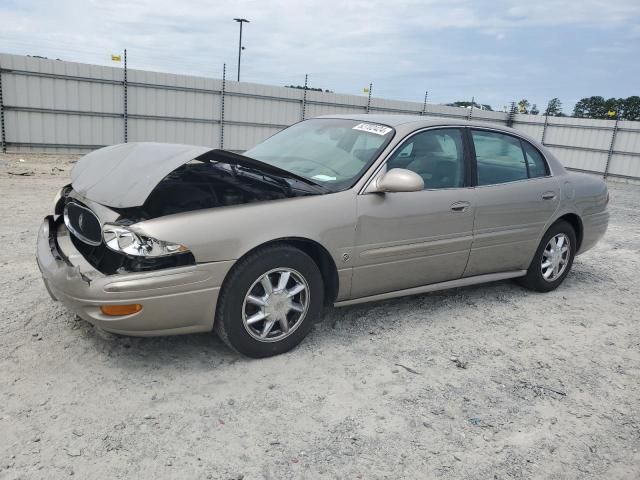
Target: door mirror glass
point(400, 180)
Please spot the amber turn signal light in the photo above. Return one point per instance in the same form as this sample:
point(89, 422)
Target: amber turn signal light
point(118, 310)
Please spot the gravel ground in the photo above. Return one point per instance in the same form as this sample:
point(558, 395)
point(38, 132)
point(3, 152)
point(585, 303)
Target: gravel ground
point(483, 382)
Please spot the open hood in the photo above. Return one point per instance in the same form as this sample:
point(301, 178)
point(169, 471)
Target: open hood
point(124, 175)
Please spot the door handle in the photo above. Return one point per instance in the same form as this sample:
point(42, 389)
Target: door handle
point(548, 195)
point(459, 206)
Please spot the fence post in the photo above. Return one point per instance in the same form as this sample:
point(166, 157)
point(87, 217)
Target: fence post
point(4, 133)
point(369, 99)
point(304, 96)
point(424, 104)
point(224, 85)
point(473, 101)
point(126, 113)
point(512, 114)
point(611, 145)
point(544, 128)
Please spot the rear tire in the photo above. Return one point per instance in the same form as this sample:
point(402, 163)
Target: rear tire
point(269, 301)
point(553, 259)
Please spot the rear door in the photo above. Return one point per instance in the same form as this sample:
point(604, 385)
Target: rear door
point(408, 239)
point(515, 195)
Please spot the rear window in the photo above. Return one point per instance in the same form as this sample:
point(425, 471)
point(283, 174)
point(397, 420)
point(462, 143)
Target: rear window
point(537, 165)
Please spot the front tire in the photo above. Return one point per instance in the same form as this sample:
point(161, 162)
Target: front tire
point(269, 301)
point(553, 259)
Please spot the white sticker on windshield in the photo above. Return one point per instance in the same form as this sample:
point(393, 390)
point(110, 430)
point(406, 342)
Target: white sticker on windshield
point(372, 128)
point(324, 178)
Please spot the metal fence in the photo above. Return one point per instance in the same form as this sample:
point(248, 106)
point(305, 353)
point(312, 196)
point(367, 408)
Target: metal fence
point(66, 107)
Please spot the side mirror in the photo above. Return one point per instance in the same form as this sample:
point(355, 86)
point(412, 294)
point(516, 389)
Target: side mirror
point(399, 180)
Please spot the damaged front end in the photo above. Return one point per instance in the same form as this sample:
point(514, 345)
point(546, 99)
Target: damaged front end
point(107, 248)
point(117, 187)
point(218, 179)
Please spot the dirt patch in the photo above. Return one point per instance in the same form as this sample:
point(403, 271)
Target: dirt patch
point(484, 382)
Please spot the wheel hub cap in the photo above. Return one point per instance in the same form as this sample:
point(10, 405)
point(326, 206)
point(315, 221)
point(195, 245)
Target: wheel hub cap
point(277, 304)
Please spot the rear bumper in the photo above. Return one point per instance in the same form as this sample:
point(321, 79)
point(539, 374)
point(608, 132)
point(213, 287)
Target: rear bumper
point(594, 227)
point(174, 301)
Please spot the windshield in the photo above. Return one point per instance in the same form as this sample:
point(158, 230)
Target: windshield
point(330, 152)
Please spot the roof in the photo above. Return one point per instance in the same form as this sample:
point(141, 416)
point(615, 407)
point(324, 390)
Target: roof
point(414, 122)
point(419, 120)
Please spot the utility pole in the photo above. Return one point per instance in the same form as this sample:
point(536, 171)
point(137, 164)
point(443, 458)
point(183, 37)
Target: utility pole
point(240, 47)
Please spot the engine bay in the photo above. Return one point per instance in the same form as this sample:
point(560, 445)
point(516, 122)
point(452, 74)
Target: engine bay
point(199, 184)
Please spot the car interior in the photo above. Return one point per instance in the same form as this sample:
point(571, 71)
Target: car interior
point(436, 156)
point(499, 158)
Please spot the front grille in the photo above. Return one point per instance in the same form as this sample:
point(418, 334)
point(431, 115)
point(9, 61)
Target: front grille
point(83, 223)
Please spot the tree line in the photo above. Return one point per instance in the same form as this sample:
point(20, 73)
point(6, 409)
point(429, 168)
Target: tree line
point(311, 89)
point(589, 107)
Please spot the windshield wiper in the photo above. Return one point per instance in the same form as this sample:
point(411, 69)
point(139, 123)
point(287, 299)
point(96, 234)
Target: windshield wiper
point(279, 180)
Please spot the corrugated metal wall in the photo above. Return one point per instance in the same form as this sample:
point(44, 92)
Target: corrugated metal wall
point(56, 106)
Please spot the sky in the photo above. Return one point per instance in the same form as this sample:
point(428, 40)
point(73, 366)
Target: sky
point(494, 51)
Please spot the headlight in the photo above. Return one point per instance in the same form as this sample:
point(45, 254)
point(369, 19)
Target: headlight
point(121, 239)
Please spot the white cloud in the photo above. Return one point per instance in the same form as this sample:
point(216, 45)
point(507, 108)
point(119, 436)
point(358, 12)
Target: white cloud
point(404, 46)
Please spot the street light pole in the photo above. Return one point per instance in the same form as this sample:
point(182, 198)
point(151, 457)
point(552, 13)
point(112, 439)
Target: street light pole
point(240, 47)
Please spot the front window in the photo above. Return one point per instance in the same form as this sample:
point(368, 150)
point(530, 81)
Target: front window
point(331, 152)
point(436, 155)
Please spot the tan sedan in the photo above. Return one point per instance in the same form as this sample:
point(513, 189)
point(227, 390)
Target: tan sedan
point(162, 239)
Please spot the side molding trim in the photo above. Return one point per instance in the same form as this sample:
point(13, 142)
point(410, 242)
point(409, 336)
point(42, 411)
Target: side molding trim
point(461, 282)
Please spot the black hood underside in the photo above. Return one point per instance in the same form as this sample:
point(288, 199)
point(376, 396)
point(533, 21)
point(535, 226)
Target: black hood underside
point(208, 183)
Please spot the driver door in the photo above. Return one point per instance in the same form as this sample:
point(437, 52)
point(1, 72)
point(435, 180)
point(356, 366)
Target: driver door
point(409, 239)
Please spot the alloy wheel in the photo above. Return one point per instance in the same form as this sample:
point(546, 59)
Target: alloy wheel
point(275, 305)
point(555, 257)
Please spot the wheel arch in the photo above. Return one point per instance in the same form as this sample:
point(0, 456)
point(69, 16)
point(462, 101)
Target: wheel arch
point(576, 222)
point(318, 253)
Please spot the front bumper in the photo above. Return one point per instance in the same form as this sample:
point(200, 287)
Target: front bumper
point(174, 300)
